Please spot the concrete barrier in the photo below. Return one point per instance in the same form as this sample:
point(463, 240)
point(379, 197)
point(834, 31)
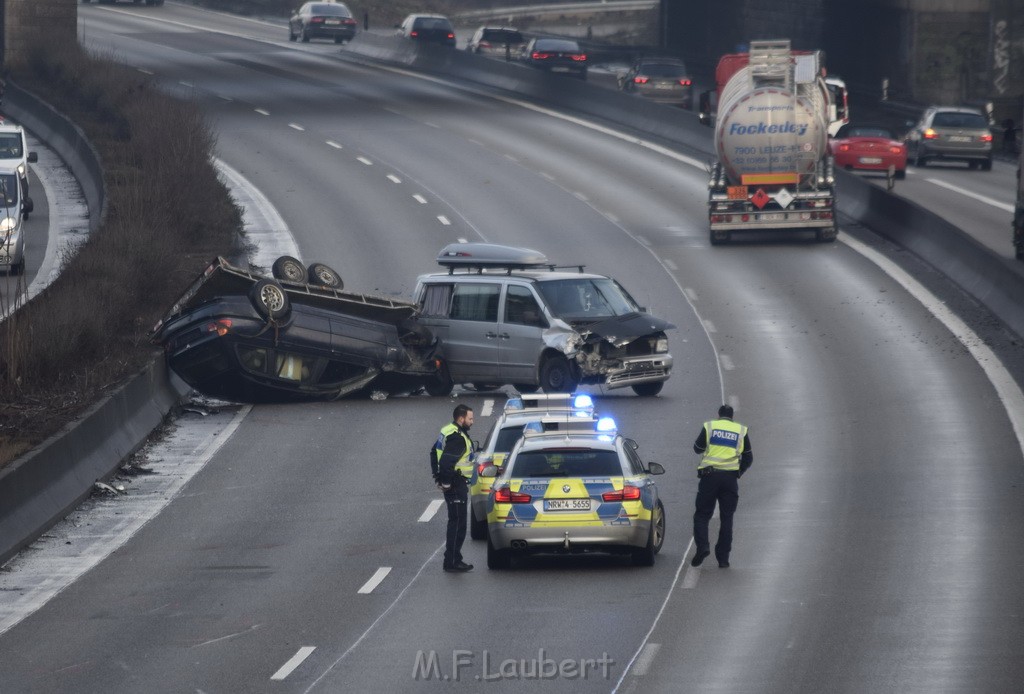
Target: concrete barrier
point(44, 485)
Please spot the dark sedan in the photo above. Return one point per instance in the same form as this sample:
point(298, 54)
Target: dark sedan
point(664, 80)
point(237, 336)
point(556, 55)
point(322, 20)
point(428, 28)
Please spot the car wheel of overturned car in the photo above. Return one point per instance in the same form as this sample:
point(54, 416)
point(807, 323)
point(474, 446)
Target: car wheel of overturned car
point(498, 558)
point(648, 390)
point(288, 268)
point(556, 376)
point(323, 276)
point(477, 528)
point(440, 384)
point(270, 300)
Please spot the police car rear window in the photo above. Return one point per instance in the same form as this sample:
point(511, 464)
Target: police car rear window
point(564, 462)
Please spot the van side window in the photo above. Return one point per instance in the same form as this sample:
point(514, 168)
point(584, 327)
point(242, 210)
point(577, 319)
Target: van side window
point(476, 302)
point(521, 307)
point(436, 300)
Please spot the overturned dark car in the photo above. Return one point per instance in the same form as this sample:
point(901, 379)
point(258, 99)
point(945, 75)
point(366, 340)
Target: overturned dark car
point(298, 335)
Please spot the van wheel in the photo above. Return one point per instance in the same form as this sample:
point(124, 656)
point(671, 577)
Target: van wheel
point(477, 528)
point(289, 269)
point(323, 276)
point(269, 299)
point(648, 390)
point(556, 376)
point(440, 384)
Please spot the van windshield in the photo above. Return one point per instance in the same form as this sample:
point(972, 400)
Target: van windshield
point(586, 299)
point(9, 190)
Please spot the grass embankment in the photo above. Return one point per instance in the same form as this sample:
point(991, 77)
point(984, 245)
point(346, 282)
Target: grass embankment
point(168, 214)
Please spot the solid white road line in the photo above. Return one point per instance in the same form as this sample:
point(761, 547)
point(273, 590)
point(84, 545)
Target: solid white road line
point(365, 161)
point(294, 662)
point(335, 145)
point(432, 558)
point(420, 199)
point(375, 580)
point(296, 126)
point(263, 224)
point(144, 71)
point(1006, 387)
point(432, 509)
point(981, 198)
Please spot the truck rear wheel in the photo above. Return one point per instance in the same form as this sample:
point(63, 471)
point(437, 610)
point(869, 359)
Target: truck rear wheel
point(718, 238)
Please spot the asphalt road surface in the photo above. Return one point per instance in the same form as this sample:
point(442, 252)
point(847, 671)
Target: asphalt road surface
point(877, 539)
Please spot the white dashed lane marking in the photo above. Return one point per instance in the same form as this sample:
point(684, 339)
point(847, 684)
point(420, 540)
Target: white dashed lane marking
point(643, 662)
point(710, 327)
point(669, 264)
point(444, 220)
point(186, 84)
point(727, 362)
point(420, 199)
point(375, 580)
point(144, 71)
point(432, 508)
point(293, 662)
point(335, 145)
point(262, 111)
point(365, 161)
point(1005, 207)
point(394, 179)
point(296, 126)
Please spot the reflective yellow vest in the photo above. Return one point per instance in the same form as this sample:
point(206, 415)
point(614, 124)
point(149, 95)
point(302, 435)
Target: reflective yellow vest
point(465, 463)
point(725, 444)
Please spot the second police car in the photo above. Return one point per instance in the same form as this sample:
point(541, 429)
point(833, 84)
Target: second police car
point(519, 412)
point(579, 490)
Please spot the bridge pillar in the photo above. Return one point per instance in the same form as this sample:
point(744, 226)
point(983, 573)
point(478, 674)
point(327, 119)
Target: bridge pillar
point(27, 24)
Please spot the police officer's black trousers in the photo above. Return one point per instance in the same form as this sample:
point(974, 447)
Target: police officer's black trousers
point(456, 500)
point(722, 488)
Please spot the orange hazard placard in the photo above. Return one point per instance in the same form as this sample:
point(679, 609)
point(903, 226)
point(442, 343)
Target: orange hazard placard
point(736, 192)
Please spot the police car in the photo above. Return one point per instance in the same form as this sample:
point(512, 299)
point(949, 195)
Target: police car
point(574, 491)
point(519, 411)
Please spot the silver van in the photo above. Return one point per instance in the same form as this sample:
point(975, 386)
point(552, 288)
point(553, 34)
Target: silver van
point(14, 208)
point(506, 315)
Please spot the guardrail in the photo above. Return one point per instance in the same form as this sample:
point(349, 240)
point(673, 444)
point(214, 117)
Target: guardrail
point(559, 8)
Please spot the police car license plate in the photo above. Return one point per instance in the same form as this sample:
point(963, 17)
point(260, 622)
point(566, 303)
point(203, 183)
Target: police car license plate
point(566, 504)
point(870, 160)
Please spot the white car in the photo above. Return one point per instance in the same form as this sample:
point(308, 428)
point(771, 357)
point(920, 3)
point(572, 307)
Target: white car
point(14, 208)
point(14, 151)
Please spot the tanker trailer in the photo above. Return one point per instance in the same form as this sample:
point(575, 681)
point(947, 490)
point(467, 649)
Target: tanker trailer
point(771, 136)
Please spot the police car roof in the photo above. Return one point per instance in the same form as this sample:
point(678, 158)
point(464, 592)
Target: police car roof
point(550, 401)
point(563, 439)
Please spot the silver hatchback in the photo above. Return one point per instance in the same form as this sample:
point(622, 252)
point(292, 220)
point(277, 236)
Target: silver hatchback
point(951, 133)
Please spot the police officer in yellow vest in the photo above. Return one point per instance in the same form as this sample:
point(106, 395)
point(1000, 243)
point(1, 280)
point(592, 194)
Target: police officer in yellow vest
point(725, 453)
point(451, 461)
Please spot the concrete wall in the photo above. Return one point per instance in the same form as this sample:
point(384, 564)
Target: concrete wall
point(31, 23)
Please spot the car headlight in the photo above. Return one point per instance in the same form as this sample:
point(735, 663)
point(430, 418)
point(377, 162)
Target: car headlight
point(7, 224)
point(661, 345)
point(21, 170)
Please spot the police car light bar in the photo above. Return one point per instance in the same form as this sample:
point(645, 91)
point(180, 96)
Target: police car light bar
point(566, 426)
point(581, 403)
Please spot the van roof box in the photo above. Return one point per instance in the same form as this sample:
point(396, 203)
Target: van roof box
point(489, 255)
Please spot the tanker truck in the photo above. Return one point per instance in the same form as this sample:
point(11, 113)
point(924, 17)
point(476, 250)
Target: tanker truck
point(773, 169)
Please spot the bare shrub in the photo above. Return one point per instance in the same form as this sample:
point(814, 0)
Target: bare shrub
point(168, 214)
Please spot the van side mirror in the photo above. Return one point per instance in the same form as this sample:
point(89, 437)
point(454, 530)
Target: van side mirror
point(28, 206)
point(33, 157)
point(656, 468)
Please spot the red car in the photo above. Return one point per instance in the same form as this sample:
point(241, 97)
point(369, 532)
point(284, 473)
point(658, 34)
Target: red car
point(869, 148)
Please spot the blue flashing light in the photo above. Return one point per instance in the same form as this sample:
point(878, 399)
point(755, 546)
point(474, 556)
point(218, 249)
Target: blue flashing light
point(514, 404)
point(583, 401)
point(534, 426)
point(606, 424)
point(605, 437)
